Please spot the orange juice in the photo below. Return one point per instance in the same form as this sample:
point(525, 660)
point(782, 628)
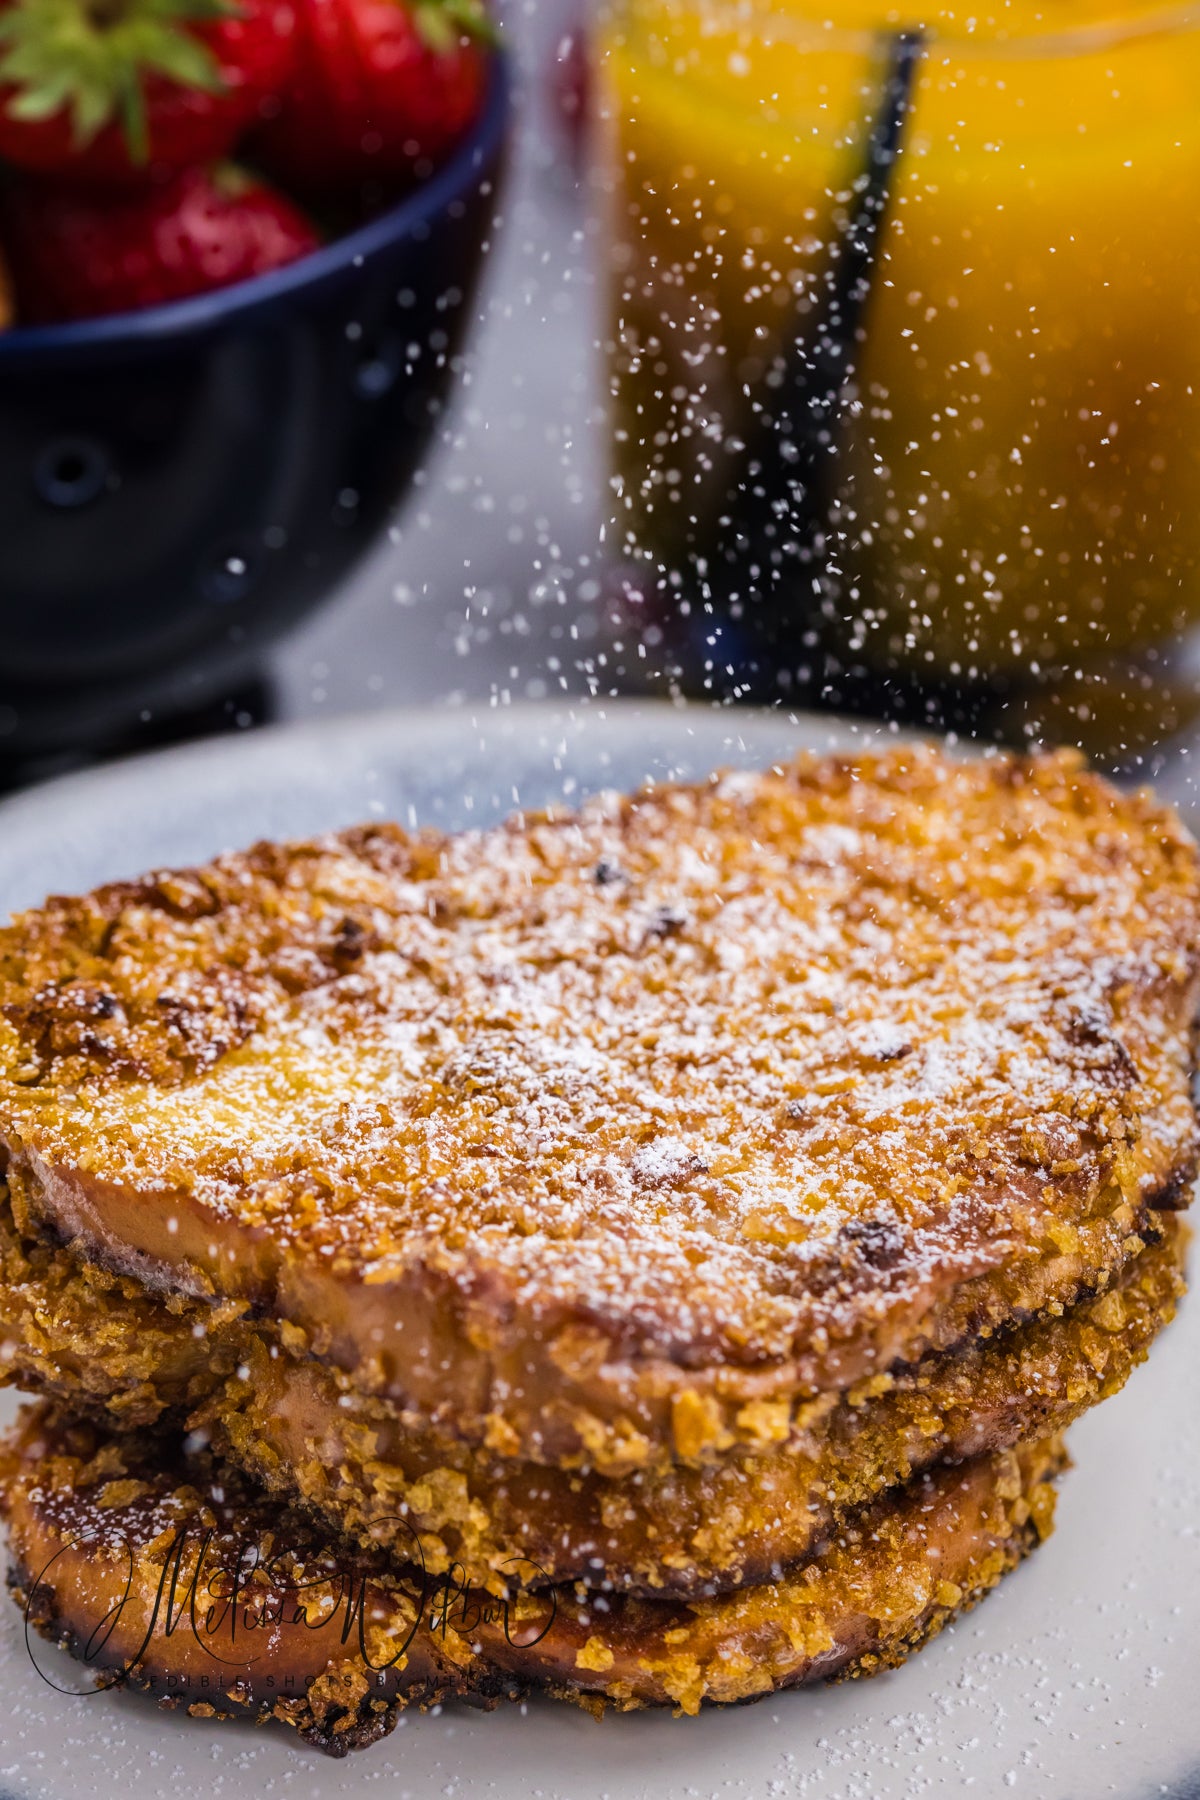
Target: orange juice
point(1018, 449)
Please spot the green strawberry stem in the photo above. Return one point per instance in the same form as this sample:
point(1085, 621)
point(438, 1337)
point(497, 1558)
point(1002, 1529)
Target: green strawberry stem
point(442, 22)
point(89, 59)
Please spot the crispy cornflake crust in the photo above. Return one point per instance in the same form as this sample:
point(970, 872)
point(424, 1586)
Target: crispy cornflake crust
point(95, 1521)
point(101, 1345)
point(615, 1136)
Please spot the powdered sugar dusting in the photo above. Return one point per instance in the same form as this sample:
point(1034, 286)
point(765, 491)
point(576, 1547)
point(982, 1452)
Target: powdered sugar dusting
point(761, 1070)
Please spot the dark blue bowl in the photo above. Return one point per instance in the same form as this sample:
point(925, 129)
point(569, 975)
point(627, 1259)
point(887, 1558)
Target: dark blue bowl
point(178, 485)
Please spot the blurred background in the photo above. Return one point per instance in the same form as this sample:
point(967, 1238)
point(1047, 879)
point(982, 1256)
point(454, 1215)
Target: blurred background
point(489, 583)
point(483, 583)
point(844, 361)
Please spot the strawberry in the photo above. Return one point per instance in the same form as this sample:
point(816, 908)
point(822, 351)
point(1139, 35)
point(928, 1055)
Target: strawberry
point(381, 88)
point(112, 90)
point(77, 254)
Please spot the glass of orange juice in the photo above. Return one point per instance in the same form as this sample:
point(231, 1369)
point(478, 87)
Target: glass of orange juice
point(1003, 505)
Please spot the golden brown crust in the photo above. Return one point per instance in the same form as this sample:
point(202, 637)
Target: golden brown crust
point(99, 1343)
point(612, 1136)
point(123, 1552)
point(95, 1521)
point(738, 1520)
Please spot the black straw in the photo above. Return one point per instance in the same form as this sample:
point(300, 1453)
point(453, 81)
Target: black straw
point(842, 327)
point(790, 471)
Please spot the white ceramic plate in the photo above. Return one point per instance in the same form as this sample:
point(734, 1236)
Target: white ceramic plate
point(1079, 1677)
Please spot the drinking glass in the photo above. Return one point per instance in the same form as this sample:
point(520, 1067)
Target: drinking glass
point(905, 347)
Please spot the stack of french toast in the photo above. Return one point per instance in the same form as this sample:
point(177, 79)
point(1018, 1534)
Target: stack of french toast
point(649, 1253)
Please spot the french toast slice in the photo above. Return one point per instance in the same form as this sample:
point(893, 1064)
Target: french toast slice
point(170, 1572)
point(102, 1345)
point(617, 1136)
point(732, 1523)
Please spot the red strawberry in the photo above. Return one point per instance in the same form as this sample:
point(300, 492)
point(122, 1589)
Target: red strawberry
point(76, 254)
point(109, 90)
point(380, 86)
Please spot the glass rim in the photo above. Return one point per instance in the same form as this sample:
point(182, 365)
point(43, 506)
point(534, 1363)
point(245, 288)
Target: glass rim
point(788, 25)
